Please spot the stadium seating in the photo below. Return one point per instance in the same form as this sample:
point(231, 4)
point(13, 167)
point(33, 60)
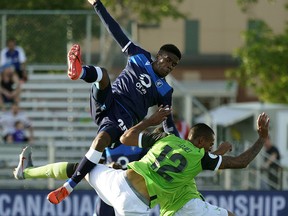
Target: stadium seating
point(63, 130)
point(58, 107)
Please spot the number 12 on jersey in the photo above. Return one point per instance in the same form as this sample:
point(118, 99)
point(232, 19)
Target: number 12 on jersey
point(163, 165)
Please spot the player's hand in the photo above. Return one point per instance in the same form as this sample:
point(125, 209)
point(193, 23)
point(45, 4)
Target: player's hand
point(115, 165)
point(223, 148)
point(263, 125)
point(160, 115)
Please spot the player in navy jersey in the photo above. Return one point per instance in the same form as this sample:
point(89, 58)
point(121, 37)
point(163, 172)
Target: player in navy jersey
point(117, 107)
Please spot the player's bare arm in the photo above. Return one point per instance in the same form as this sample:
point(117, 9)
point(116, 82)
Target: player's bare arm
point(131, 136)
point(246, 157)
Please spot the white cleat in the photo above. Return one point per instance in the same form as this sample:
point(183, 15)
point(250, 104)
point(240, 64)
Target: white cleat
point(25, 161)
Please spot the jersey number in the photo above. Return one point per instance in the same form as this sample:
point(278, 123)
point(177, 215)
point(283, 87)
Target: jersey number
point(162, 170)
point(122, 125)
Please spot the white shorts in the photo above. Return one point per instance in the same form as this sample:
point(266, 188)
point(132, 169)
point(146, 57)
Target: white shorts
point(201, 208)
point(112, 188)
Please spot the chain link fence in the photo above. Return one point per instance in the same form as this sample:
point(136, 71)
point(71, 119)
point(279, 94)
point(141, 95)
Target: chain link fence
point(46, 35)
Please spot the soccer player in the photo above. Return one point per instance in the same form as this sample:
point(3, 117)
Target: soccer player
point(165, 175)
point(118, 107)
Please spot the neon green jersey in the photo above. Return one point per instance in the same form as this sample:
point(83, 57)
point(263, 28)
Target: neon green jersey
point(169, 169)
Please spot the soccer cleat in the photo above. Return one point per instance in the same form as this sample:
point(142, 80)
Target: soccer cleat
point(25, 161)
point(74, 62)
point(58, 195)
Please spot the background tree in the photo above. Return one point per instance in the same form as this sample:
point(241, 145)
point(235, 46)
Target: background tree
point(137, 11)
point(263, 63)
point(47, 36)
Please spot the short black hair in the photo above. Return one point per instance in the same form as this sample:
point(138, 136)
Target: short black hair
point(171, 49)
point(11, 39)
point(201, 130)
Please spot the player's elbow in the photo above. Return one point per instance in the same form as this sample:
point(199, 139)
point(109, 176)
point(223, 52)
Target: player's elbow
point(241, 164)
point(128, 138)
point(123, 138)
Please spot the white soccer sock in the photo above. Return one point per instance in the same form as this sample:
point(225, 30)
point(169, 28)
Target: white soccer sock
point(68, 187)
point(93, 155)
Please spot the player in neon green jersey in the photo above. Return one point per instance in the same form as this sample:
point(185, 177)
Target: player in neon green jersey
point(165, 175)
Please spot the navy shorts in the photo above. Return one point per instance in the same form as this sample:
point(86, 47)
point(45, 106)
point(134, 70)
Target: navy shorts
point(109, 114)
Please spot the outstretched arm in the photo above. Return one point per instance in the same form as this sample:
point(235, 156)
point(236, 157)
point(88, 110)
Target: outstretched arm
point(111, 25)
point(246, 157)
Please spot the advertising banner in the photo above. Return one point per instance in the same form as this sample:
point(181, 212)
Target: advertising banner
point(82, 203)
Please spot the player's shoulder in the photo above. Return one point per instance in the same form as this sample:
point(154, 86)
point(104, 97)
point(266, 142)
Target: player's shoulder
point(134, 50)
point(4, 50)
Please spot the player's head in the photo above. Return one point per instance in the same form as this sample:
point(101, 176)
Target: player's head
point(15, 108)
point(202, 136)
point(11, 43)
point(167, 59)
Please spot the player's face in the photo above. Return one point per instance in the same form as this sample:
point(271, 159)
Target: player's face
point(165, 63)
point(208, 143)
point(11, 45)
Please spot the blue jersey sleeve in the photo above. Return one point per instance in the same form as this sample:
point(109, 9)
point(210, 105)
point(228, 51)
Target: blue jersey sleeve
point(127, 46)
point(169, 126)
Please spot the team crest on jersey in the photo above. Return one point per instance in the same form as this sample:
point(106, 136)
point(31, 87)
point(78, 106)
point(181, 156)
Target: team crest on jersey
point(158, 83)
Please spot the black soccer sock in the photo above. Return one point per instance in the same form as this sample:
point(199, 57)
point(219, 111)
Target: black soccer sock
point(91, 158)
point(84, 167)
point(70, 169)
point(91, 74)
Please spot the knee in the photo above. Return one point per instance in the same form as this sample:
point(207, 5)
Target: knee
point(104, 71)
point(105, 81)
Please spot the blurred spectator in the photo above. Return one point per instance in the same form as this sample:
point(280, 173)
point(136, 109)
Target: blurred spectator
point(271, 167)
point(9, 139)
point(181, 125)
point(9, 118)
point(15, 55)
point(19, 135)
point(10, 87)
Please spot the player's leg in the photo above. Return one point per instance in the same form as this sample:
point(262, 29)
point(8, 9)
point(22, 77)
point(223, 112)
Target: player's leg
point(112, 187)
point(102, 208)
point(199, 207)
point(87, 73)
point(60, 170)
point(103, 109)
point(25, 169)
point(108, 132)
point(88, 162)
